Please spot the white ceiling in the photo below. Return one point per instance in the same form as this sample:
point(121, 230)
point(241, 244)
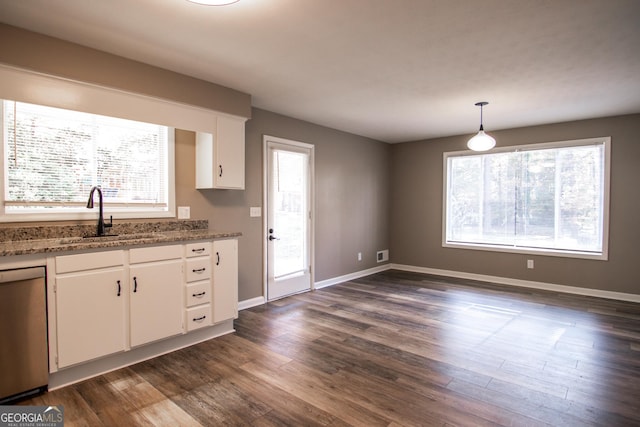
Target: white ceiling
point(393, 70)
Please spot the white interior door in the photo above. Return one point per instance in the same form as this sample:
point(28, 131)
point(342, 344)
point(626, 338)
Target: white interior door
point(288, 231)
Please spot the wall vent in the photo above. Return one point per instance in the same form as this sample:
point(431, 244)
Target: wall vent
point(382, 256)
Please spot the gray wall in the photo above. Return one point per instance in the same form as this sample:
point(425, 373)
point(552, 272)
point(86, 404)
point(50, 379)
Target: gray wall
point(417, 198)
point(351, 197)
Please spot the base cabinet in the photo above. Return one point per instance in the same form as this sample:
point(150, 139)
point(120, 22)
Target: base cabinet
point(156, 301)
point(91, 315)
point(108, 302)
point(198, 285)
point(225, 280)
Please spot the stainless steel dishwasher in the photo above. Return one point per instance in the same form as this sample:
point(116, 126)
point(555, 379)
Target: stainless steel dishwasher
point(24, 362)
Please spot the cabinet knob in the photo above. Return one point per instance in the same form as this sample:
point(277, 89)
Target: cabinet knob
point(220, 166)
point(217, 258)
point(119, 288)
point(135, 285)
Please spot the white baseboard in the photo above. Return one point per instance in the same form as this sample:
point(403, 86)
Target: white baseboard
point(621, 296)
point(351, 276)
point(253, 302)
point(521, 283)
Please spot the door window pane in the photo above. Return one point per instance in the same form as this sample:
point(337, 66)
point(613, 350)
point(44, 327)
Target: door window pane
point(290, 212)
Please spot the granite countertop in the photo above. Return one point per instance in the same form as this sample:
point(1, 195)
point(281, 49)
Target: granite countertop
point(25, 241)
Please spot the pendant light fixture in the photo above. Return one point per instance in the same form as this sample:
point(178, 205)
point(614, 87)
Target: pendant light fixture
point(482, 141)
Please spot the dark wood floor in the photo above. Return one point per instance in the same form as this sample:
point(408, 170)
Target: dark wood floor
point(390, 349)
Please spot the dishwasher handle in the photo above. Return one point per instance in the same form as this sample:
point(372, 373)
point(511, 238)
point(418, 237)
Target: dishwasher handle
point(21, 274)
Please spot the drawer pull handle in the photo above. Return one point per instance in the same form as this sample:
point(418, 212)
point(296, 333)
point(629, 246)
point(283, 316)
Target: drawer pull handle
point(198, 295)
point(217, 258)
point(119, 288)
point(198, 250)
point(135, 284)
point(198, 270)
point(199, 319)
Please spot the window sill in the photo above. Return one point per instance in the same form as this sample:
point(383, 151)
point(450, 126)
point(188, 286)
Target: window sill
point(528, 251)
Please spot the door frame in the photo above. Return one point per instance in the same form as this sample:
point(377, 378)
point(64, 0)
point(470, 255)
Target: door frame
point(265, 197)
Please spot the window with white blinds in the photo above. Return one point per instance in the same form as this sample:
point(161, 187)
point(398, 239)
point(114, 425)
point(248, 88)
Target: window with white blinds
point(53, 157)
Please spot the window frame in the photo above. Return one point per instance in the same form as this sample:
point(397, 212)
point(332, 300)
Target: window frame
point(139, 211)
point(603, 255)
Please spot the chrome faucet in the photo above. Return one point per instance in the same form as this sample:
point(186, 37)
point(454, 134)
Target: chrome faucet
point(101, 224)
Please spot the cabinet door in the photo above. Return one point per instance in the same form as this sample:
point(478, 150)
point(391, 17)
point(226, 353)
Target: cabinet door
point(90, 309)
point(225, 280)
point(156, 301)
point(229, 154)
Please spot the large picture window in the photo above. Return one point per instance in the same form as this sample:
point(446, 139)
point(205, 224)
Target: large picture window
point(545, 198)
point(52, 157)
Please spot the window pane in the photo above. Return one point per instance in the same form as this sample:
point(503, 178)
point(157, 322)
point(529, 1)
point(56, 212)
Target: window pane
point(582, 198)
point(499, 195)
point(54, 156)
point(535, 212)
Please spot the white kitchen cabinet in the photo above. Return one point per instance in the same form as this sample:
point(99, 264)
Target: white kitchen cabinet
point(198, 285)
point(220, 160)
point(90, 307)
point(114, 301)
point(225, 280)
point(155, 294)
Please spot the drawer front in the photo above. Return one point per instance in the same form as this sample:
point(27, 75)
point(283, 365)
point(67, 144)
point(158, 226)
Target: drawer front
point(198, 317)
point(154, 253)
point(89, 261)
point(198, 269)
point(198, 293)
point(198, 249)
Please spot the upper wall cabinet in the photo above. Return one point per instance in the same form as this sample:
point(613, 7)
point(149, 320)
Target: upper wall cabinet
point(220, 156)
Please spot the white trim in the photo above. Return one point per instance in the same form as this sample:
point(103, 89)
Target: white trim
point(351, 276)
point(74, 374)
point(252, 302)
point(599, 293)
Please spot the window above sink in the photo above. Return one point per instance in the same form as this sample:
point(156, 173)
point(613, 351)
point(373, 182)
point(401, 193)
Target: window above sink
point(52, 157)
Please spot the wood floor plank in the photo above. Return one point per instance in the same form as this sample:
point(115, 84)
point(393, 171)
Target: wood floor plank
point(390, 349)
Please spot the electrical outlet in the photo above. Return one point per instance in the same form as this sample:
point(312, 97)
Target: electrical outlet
point(359, 256)
point(530, 263)
point(184, 212)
